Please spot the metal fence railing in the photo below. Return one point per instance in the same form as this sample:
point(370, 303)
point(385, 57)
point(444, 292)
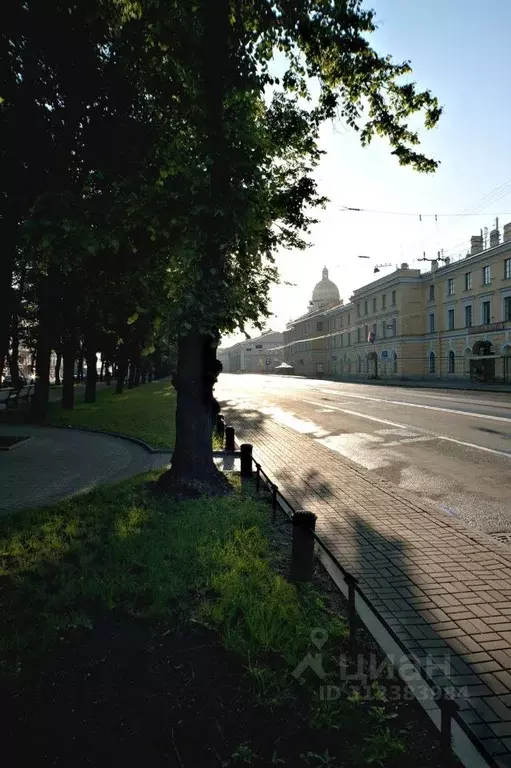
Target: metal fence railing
point(449, 708)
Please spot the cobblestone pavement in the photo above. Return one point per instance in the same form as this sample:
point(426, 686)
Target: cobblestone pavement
point(444, 588)
point(58, 463)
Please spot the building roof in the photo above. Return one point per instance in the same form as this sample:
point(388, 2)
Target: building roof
point(325, 292)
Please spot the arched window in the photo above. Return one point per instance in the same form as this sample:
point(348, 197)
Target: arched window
point(452, 362)
point(395, 362)
point(432, 362)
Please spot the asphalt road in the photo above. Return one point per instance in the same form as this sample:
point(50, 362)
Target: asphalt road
point(451, 447)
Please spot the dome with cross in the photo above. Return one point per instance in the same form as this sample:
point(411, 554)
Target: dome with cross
point(325, 293)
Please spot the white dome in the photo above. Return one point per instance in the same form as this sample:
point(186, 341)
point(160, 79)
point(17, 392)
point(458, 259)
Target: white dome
point(325, 292)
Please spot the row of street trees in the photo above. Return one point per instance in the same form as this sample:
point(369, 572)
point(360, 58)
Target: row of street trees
point(152, 164)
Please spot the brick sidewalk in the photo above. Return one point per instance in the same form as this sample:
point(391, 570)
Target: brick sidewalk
point(444, 588)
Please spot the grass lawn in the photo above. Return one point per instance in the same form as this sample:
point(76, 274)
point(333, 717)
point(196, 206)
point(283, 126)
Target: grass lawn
point(146, 412)
point(136, 630)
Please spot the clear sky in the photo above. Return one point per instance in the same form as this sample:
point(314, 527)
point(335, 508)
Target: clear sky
point(460, 50)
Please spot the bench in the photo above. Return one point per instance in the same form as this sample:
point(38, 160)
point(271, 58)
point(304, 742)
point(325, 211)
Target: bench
point(8, 397)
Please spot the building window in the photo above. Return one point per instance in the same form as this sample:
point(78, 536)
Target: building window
point(248, 349)
point(452, 363)
point(468, 281)
point(342, 339)
point(383, 301)
point(432, 292)
point(384, 329)
point(393, 298)
point(432, 362)
point(366, 309)
point(395, 362)
point(374, 304)
point(359, 364)
point(319, 325)
point(486, 275)
point(507, 269)
point(258, 346)
point(349, 339)
point(486, 313)
point(341, 322)
point(358, 334)
point(450, 286)
point(507, 309)
point(468, 316)
point(349, 318)
point(358, 310)
point(450, 320)
point(432, 323)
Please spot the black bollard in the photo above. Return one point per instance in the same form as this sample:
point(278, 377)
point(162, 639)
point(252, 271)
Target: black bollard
point(448, 708)
point(229, 439)
point(246, 460)
point(302, 557)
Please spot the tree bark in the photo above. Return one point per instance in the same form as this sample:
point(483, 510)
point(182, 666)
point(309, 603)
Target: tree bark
point(122, 369)
point(58, 364)
point(69, 349)
point(79, 367)
point(68, 383)
point(193, 472)
point(92, 373)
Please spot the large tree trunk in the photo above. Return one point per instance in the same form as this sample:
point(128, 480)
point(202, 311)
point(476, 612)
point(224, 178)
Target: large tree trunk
point(122, 370)
point(79, 367)
point(92, 372)
point(193, 472)
point(69, 349)
point(68, 382)
point(58, 363)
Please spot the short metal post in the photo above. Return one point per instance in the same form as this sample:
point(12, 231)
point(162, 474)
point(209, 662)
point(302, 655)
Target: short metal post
point(229, 439)
point(274, 491)
point(352, 614)
point(220, 425)
point(448, 708)
point(302, 556)
point(246, 460)
point(258, 476)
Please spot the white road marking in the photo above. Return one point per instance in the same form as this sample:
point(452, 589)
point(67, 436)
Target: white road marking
point(424, 393)
point(418, 405)
point(507, 454)
point(292, 421)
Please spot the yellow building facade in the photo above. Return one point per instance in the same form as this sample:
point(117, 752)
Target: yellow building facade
point(453, 321)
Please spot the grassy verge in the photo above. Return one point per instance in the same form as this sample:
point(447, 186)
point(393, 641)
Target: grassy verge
point(146, 412)
point(179, 570)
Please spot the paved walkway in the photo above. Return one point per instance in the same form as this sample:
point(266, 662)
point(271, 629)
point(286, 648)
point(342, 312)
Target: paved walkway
point(57, 463)
point(444, 588)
